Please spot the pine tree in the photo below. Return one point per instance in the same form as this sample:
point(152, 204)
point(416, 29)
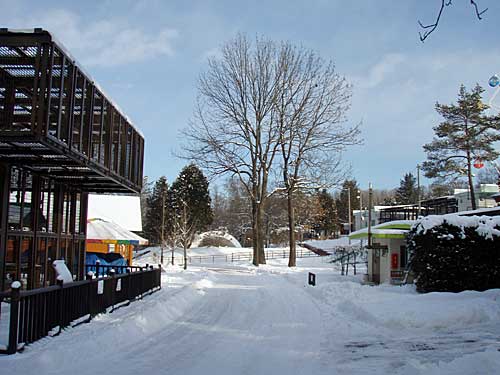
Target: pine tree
point(157, 204)
point(326, 219)
point(407, 193)
point(190, 203)
point(350, 190)
point(465, 134)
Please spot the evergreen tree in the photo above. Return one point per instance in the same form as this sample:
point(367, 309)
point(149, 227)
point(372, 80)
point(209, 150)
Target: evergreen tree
point(326, 219)
point(190, 203)
point(407, 193)
point(465, 134)
point(157, 205)
point(350, 190)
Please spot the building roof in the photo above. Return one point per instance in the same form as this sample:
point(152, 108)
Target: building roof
point(102, 231)
point(390, 229)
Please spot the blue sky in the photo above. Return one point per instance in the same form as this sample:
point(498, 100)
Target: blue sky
point(147, 56)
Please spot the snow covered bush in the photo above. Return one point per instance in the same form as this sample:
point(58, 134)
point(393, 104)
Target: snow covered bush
point(452, 253)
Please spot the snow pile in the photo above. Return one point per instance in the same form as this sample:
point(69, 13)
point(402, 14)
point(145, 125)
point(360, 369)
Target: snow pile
point(214, 234)
point(486, 226)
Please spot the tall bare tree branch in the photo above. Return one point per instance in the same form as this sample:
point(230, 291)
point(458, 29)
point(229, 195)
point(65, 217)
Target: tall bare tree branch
point(430, 28)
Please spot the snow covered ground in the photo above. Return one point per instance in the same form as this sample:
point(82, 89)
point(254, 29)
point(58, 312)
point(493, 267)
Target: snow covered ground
point(237, 319)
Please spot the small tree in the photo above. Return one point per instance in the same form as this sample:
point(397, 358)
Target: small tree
point(407, 193)
point(465, 134)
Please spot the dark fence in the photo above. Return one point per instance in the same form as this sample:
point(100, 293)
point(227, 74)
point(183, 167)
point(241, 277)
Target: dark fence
point(45, 312)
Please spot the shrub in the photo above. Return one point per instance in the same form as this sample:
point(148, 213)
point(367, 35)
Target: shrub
point(215, 241)
point(452, 253)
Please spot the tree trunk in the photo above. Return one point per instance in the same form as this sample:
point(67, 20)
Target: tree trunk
point(255, 234)
point(292, 259)
point(185, 256)
point(260, 231)
point(471, 183)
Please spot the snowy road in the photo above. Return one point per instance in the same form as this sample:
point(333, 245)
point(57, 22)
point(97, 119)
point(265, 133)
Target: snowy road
point(239, 320)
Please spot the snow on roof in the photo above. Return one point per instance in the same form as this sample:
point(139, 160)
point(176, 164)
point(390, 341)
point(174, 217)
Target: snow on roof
point(487, 226)
point(99, 229)
point(124, 210)
point(390, 229)
point(480, 211)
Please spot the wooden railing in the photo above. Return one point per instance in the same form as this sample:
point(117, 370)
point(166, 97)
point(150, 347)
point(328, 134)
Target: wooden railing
point(45, 312)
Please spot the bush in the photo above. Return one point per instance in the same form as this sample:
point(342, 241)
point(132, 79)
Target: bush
point(215, 241)
point(451, 253)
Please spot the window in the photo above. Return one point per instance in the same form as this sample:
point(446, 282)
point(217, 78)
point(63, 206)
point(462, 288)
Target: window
point(403, 257)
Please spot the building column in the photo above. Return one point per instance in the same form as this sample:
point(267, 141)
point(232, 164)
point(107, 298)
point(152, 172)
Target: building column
point(4, 217)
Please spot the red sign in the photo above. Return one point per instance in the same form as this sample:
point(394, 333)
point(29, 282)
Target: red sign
point(394, 261)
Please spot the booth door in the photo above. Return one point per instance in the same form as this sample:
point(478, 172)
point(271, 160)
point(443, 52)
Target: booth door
point(376, 266)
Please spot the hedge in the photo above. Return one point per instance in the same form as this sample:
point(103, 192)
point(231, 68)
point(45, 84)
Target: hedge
point(451, 253)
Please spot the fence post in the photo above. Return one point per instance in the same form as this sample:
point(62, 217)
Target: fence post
point(159, 275)
point(129, 285)
point(14, 316)
point(60, 282)
point(355, 263)
point(97, 264)
point(112, 274)
point(89, 276)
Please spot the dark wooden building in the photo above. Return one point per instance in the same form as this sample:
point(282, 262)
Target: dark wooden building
point(60, 138)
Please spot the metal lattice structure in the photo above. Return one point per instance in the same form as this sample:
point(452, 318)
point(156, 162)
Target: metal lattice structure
point(60, 138)
point(56, 121)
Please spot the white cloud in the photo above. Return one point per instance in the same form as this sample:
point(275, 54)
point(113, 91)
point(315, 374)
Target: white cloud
point(106, 42)
point(379, 72)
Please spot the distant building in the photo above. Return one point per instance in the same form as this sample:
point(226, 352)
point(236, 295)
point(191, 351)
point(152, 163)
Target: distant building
point(487, 196)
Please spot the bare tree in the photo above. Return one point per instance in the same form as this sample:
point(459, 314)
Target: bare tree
point(184, 230)
point(234, 131)
point(310, 109)
point(428, 29)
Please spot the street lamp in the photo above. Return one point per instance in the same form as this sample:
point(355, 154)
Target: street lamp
point(419, 198)
point(360, 209)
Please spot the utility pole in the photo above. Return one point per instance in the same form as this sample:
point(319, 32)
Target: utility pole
point(360, 210)
point(418, 191)
point(162, 224)
point(350, 212)
point(370, 194)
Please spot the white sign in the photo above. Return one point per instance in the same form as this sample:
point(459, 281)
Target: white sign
point(119, 285)
point(100, 287)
